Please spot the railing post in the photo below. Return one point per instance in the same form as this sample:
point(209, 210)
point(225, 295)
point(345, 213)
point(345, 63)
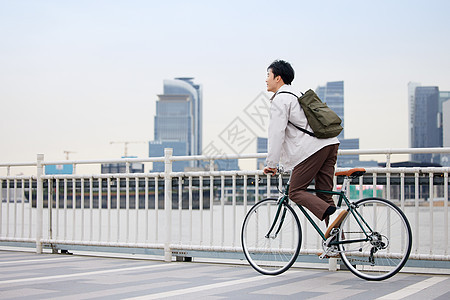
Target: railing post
point(39, 203)
point(168, 202)
point(388, 160)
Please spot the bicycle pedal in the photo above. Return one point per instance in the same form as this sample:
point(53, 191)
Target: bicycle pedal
point(332, 238)
point(326, 255)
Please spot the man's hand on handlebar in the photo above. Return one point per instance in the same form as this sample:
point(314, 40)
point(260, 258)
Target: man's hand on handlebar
point(270, 171)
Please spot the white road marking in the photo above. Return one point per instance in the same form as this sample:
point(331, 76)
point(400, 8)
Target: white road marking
point(61, 276)
point(204, 287)
point(412, 289)
point(43, 260)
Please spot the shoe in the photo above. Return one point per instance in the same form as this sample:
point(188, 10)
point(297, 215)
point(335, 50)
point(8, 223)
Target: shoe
point(337, 222)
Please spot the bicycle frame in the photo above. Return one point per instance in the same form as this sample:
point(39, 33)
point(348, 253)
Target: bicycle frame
point(342, 198)
point(271, 233)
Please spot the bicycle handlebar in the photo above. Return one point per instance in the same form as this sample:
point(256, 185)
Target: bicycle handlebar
point(281, 171)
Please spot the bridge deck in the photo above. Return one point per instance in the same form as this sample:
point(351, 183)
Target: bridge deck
point(30, 276)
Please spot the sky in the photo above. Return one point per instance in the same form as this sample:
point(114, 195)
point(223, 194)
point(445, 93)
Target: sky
point(76, 75)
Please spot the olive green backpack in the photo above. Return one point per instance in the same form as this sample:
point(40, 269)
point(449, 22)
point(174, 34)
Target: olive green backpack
point(324, 122)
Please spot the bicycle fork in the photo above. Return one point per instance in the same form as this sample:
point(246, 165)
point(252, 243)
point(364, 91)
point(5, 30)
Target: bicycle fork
point(275, 219)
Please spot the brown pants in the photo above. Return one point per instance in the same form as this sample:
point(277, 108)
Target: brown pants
point(319, 166)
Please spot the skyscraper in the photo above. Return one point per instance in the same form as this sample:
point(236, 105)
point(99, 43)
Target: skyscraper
point(426, 130)
point(178, 120)
point(333, 95)
point(186, 86)
point(411, 100)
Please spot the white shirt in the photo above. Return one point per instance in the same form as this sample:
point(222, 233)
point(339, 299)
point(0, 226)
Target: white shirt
point(287, 145)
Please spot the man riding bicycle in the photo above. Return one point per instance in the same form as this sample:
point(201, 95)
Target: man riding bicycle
point(310, 158)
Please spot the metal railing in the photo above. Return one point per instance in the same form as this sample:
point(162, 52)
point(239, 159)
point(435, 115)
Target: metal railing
point(172, 212)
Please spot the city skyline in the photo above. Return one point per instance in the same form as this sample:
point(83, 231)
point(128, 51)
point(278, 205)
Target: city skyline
point(74, 78)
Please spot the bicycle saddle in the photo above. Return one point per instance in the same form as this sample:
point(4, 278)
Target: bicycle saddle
point(352, 173)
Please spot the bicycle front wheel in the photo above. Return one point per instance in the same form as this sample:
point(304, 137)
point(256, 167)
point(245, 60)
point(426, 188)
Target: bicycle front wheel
point(375, 240)
point(271, 241)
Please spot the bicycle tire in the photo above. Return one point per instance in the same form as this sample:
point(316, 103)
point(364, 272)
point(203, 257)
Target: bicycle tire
point(275, 254)
point(390, 245)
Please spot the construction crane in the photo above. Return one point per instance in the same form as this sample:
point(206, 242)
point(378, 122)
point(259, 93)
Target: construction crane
point(125, 154)
point(66, 152)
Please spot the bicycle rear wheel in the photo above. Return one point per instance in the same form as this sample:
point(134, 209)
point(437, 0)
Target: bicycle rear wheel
point(275, 252)
point(389, 239)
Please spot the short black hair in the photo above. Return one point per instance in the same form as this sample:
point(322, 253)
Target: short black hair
point(284, 69)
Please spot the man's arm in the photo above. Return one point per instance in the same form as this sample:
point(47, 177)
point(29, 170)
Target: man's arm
point(277, 127)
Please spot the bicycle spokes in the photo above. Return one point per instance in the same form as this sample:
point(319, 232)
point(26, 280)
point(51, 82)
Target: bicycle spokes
point(375, 240)
point(271, 237)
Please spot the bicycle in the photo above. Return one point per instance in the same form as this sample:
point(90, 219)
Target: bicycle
point(373, 241)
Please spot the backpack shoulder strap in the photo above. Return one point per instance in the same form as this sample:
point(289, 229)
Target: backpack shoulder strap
point(299, 128)
point(287, 92)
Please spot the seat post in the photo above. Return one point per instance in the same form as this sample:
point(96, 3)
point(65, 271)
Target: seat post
point(345, 184)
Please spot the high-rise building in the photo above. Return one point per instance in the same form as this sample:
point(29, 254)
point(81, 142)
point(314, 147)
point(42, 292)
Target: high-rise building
point(426, 130)
point(186, 86)
point(178, 121)
point(333, 95)
point(411, 100)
